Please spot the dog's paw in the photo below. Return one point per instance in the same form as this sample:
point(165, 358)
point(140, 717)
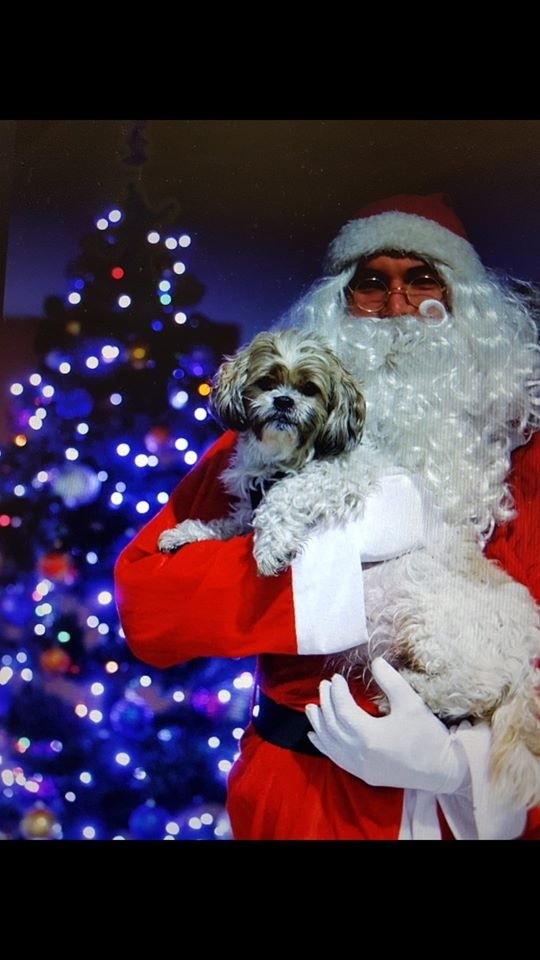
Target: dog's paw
point(269, 566)
point(171, 540)
point(273, 551)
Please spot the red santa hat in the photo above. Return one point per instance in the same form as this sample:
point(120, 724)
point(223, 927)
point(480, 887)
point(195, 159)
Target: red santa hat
point(424, 225)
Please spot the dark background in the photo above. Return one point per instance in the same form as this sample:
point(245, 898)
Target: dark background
point(261, 198)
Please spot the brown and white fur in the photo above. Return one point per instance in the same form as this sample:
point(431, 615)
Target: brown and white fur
point(463, 633)
point(293, 404)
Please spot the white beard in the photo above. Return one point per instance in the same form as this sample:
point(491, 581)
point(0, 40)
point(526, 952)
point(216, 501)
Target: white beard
point(429, 408)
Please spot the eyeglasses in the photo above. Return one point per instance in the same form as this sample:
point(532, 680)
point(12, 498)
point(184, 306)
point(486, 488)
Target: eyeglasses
point(371, 293)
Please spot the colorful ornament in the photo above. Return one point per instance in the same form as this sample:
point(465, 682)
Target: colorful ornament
point(157, 438)
point(139, 356)
point(57, 566)
point(206, 702)
point(55, 660)
point(132, 718)
point(40, 823)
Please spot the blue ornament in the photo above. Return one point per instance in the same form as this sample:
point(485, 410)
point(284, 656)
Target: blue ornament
point(148, 821)
point(16, 605)
point(72, 404)
point(132, 718)
point(6, 694)
point(206, 702)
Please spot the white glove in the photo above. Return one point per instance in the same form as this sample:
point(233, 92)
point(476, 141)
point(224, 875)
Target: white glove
point(408, 748)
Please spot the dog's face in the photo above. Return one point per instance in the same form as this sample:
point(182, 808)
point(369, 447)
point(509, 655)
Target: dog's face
point(290, 390)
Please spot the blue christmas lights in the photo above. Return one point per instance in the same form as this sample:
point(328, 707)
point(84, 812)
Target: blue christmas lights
point(67, 679)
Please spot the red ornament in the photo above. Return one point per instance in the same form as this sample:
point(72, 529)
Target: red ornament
point(55, 660)
point(157, 438)
point(57, 566)
point(117, 273)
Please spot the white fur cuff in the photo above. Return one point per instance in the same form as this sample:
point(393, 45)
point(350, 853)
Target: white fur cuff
point(393, 521)
point(328, 592)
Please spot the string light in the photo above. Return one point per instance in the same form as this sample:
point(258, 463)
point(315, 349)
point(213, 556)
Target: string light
point(61, 610)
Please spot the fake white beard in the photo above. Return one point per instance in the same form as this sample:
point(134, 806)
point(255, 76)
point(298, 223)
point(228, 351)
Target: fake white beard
point(434, 409)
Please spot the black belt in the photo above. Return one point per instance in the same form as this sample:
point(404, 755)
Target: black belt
point(283, 727)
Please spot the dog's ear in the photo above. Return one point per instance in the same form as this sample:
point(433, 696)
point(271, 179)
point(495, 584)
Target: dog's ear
point(226, 398)
point(346, 414)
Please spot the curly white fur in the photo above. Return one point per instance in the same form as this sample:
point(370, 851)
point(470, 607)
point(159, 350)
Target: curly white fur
point(466, 636)
point(462, 632)
point(446, 400)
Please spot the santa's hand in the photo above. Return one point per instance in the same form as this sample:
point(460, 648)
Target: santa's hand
point(408, 748)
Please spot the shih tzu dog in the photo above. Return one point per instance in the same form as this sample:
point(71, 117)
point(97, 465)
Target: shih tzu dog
point(464, 634)
point(294, 405)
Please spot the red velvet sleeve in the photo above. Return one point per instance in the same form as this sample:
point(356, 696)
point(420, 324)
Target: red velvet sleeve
point(207, 599)
point(516, 545)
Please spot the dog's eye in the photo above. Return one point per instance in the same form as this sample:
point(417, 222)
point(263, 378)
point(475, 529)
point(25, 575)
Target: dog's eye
point(309, 389)
point(264, 383)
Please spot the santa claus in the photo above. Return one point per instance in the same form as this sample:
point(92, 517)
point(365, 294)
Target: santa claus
point(447, 357)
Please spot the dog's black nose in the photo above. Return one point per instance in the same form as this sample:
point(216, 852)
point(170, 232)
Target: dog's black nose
point(283, 403)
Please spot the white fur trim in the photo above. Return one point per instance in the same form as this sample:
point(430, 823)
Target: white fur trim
point(479, 817)
point(393, 521)
point(327, 576)
point(328, 592)
point(403, 231)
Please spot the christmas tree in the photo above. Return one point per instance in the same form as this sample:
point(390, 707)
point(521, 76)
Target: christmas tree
point(94, 744)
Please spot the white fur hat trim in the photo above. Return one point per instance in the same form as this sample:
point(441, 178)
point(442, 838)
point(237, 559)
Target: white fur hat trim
point(407, 232)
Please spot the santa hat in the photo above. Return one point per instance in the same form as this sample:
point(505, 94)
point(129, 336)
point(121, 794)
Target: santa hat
point(423, 225)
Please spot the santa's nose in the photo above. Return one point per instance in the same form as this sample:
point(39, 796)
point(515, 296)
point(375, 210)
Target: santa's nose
point(397, 305)
point(283, 403)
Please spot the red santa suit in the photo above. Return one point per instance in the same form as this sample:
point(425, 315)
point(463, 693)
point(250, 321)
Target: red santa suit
point(207, 600)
